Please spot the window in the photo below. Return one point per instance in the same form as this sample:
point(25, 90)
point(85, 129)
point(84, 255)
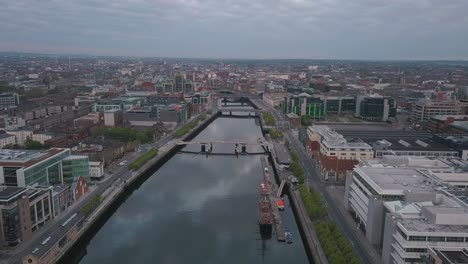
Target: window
point(436, 239)
point(416, 250)
point(353, 154)
point(417, 238)
point(455, 239)
point(343, 154)
point(332, 154)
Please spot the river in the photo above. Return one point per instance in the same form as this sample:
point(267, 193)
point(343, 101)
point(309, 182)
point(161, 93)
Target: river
point(196, 209)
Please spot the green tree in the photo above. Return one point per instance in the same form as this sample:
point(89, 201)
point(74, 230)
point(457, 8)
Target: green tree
point(305, 121)
point(34, 145)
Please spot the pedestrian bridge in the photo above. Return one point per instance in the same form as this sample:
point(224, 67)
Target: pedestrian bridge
point(206, 146)
point(235, 110)
point(232, 142)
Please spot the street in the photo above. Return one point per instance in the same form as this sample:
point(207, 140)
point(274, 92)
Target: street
point(118, 174)
point(362, 248)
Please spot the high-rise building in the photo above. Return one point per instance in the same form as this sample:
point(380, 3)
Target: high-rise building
point(178, 83)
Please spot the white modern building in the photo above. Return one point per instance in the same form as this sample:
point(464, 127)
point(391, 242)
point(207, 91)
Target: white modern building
point(424, 109)
point(407, 204)
point(96, 169)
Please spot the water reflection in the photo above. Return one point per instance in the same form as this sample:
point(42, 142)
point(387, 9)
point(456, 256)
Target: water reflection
point(196, 209)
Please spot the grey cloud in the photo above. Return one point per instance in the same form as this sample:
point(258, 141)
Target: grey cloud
point(366, 29)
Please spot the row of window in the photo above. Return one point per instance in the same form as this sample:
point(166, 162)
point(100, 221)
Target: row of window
point(432, 238)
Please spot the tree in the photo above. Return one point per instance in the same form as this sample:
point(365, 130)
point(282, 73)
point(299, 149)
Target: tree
point(305, 121)
point(34, 145)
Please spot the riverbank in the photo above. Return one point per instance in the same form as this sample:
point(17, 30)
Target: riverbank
point(309, 237)
point(114, 197)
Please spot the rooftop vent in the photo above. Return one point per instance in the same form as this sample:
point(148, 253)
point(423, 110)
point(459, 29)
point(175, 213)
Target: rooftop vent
point(404, 143)
point(422, 143)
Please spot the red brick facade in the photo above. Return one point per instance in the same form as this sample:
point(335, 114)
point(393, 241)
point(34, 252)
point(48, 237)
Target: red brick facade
point(330, 164)
point(80, 188)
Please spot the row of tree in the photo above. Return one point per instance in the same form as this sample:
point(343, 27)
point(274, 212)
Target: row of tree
point(336, 247)
point(125, 134)
point(294, 166)
point(275, 134)
point(186, 128)
point(91, 205)
point(143, 159)
point(313, 203)
point(268, 118)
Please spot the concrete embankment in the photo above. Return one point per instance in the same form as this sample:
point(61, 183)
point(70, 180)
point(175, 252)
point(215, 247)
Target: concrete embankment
point(121, 192)
point(312, 246)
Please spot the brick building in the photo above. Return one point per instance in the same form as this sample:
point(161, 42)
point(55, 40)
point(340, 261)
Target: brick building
point(335, 154)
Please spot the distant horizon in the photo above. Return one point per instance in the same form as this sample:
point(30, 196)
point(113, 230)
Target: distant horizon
point(231, 58)
point(363, 30)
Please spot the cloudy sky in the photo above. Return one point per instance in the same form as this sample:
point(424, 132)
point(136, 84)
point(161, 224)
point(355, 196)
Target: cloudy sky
point(321, 29)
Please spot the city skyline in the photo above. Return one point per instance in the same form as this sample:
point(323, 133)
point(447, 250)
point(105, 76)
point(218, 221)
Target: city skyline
point(362, 30)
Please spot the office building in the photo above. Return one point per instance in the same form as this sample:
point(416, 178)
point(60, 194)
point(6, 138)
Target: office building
point(8, 100)
point(198, 102)
point(387, 141)
point(75, 166)
point(23, 211)
point(453, 255)
point(178, 83)
point(405, 205)
point(375, 108)
point(164, 99)
point(424, 109)
point(304, 105)
point(113, 118)
point(335, 154)
point(24, 168)
point(105, 105)
point(318, 106)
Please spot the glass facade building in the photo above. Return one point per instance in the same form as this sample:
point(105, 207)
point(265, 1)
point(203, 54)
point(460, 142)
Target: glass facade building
point(45, 172)
point(50, 167)
point(75, 166)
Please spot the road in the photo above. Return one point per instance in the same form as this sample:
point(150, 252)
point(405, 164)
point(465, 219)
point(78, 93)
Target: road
point(119, 173)
point(362, 249)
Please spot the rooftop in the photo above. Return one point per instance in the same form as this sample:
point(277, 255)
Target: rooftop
point(424, 226)
point(394, 181)
point(7, 193)
point(26, 158)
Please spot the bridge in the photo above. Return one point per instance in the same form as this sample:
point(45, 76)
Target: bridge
point(238, 110)
point(232, 142)
point(235, 143)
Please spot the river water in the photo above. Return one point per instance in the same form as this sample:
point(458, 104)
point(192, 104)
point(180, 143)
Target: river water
point(197, 209)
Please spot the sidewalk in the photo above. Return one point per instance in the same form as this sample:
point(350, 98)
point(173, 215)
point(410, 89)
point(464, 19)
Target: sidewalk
point(337, 194)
